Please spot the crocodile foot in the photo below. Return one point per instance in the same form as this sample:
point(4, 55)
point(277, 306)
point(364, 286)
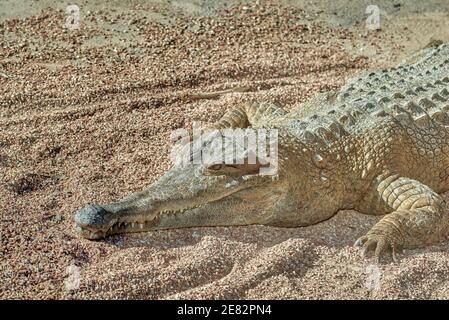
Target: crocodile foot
point(377, 243)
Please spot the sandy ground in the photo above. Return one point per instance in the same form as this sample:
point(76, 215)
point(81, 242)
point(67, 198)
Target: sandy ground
point(85, 116)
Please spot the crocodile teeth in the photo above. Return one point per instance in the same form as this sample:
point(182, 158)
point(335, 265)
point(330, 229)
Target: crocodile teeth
point(141, 225)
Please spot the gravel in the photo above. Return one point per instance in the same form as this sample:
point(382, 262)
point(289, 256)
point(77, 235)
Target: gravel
point(86, 115)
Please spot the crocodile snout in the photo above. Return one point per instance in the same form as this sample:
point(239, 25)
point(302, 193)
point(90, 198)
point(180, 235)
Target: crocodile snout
point(93, 221)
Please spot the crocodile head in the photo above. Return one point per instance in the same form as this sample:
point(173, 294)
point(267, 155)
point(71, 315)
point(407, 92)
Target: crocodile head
point(189, 194)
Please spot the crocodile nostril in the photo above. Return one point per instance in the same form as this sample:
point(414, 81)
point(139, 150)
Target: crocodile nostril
point(93, 216)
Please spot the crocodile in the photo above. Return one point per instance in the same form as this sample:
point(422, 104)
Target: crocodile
point(378, 145)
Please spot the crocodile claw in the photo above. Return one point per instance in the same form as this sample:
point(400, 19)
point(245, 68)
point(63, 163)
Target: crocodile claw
point(378, 244)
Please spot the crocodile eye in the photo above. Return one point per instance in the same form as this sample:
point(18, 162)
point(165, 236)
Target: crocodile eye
point(215, 167)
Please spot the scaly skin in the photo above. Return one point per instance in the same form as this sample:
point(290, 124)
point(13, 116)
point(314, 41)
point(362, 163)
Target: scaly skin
point(379, 146)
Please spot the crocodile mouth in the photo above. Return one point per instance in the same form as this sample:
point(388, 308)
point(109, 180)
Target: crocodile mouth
point(93, 231)
point(96, 222)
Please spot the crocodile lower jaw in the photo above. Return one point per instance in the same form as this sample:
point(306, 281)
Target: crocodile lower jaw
point(125, 226)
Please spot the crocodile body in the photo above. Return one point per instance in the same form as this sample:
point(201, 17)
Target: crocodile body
point(380, 146)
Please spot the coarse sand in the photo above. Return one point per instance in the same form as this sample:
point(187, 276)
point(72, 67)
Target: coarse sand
point(86, 116)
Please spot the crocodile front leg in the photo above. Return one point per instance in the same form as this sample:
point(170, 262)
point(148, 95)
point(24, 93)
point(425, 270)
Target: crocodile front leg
point(419, 217)
point(244, 116)
point(248, 114)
